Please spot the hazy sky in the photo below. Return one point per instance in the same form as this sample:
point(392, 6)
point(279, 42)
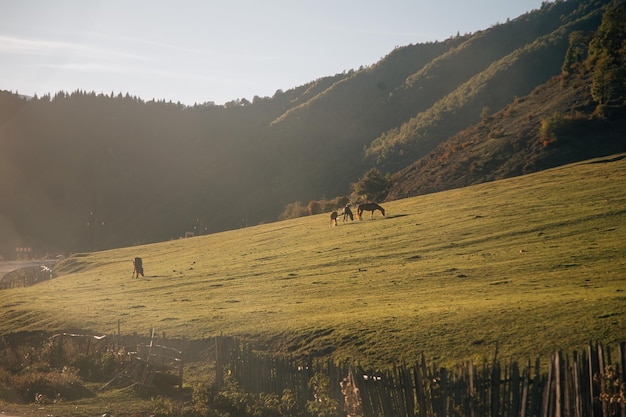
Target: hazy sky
point(195, 51)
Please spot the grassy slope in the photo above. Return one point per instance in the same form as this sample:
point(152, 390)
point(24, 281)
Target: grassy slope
point(534, 263)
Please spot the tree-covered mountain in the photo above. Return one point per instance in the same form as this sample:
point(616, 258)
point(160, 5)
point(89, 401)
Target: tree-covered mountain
point(576, 115)
point(82, 171)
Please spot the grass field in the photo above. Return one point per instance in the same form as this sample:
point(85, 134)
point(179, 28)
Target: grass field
point(534, 264)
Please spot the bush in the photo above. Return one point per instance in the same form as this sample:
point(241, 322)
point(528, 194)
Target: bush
point(44, 387)
point(208, 401)
point(551, 127)
point(86, 366)
point(314, 207)
point(108, 365)
point(323, 405)
point(293, 211)
point(296, 209)
point(91, 368)
point(373, 186)
point(8, 392)
point(164, 407)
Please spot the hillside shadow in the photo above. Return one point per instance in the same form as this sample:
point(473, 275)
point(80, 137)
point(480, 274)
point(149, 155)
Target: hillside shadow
point(394, 216)
point(607, 160)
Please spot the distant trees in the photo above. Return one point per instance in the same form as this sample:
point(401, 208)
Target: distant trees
point(314, 207)
point(489, 69)
point(293, 211)
point(602, 55)
point(607, 56)
point(296, 209)
point(148, 167)
point(576, 52)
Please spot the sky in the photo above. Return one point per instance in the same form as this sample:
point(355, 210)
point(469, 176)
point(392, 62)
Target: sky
point(198, 51)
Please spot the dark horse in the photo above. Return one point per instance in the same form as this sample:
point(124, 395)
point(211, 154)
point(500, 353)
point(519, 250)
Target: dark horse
point(138, 264)
point(347, 213)
point(368, 207)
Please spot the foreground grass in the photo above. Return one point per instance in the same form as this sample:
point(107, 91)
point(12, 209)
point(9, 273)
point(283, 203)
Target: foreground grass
point(533, 264)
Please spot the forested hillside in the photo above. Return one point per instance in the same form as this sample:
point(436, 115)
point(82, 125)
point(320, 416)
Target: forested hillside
point(576, 115)
point(84, 171)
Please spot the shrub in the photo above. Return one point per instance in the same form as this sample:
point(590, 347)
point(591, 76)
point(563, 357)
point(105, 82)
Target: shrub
point(7, 390)
point(573, 130)
point(373, 186)
point(164, 407)
point(208, 401)
point(550, 127)
point(293, 211)
point(314, 207)
point(108, 365)
point(91, 368)
point(86, 366)
point(323, 405)
point(42, 387)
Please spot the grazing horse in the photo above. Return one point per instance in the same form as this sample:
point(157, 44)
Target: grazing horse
point(138, 264)
point(347, 213)
point(368, 207)
point(333, 218)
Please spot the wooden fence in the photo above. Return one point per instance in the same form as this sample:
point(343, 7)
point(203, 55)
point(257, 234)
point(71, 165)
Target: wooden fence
point(151, 368)
point(147, 364)
point(586, 384)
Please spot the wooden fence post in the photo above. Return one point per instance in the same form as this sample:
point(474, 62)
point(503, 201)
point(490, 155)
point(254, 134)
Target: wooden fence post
point(495, 384)
point(526, 383)
point(119, 333)
point(420, 386)
point(594, 369)
point(515, 390)
point(558, 380)
point(546, 402)
point(621, 353)
point(578, 385)
point(219, 374)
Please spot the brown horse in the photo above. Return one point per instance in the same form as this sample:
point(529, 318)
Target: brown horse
point(333, 218)
point(368, 207)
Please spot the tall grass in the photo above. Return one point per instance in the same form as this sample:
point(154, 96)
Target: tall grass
point(533, 264)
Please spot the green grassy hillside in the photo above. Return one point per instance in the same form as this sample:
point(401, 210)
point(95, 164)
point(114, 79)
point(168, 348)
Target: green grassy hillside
point(534, 263)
